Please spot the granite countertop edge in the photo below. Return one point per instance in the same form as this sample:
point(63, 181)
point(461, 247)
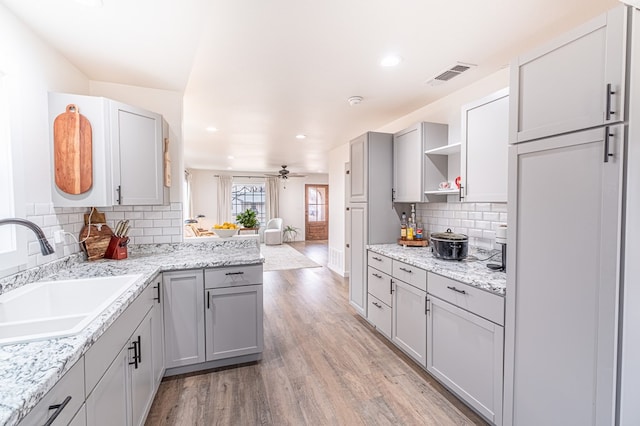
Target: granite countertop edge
point(29, 370)
point(472, 271)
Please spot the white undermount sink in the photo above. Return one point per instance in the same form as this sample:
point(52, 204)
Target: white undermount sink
point(50, 309)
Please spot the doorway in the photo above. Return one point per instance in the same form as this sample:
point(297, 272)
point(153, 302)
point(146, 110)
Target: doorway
point(316, 212)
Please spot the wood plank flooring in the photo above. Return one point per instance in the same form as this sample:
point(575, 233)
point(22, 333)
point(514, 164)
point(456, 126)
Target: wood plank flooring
point(322, 365)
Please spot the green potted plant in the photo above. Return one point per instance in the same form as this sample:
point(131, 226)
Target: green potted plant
point(289, 233)
point(248, 219)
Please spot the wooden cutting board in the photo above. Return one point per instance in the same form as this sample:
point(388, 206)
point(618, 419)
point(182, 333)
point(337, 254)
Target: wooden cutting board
point(95, 245)
point(72, 151)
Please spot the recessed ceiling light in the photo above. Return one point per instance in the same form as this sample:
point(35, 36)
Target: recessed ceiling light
point(354, 100)
point(390, 61)
point(211, 129)
point(301, 136)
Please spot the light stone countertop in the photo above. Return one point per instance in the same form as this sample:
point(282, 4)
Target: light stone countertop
point(471, 271)
point(29, 370)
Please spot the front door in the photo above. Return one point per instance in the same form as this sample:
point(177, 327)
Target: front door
point(316, 216)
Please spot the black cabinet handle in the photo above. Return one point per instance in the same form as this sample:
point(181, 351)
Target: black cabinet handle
point(139, 350)
point(406, 270)
point(456, 290)
point(235, 273)
point(119, 191)
point(208, 300)
point(608, 111)
point(58, 408)
point(391, 287)
point(376, 258)
point(426, 305)
point(134, 347)
point(607, 135)
point(157, 287)
point(376, 275)
point(377, 305)
point(460, 196)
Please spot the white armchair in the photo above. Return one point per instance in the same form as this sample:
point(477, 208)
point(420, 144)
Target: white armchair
point(273, 232)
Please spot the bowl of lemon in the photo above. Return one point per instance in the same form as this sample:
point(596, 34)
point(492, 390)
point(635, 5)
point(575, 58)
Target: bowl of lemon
point(226, 230)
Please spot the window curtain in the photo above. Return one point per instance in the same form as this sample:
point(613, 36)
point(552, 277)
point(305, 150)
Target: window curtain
point(273, 198)
point(224, 199)
point(188, 201)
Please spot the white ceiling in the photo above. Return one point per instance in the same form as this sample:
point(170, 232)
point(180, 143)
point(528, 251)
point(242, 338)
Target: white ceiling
point(263, 71)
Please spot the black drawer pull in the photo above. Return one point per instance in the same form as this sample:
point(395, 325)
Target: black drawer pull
point(377, 305)
point(58, 408)
point(406, 270)
point(608, 111)
point(376, 275)
point(456, 290)
point(135, 354)
point(376, 258)
point(234, 273)
point(157, 287)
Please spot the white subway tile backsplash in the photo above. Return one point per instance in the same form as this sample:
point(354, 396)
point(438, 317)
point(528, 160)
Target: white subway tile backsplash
point(491, 216)
point(161, 208)
point(161, 239)
point(152, 215)
point(171, 231)
point(143, 224)
point(152, 231)
point(162, 223)
point(50, 220)
point(477, 220)
point(43, 208)
point(172, 215)
point(143, 240)
point(122, 208)
point(483, 224)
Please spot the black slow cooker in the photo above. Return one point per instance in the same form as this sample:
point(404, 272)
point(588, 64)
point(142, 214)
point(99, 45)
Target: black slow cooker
point(449, 245)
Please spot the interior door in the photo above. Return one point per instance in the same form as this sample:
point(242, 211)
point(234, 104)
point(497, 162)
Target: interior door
point(316, 216)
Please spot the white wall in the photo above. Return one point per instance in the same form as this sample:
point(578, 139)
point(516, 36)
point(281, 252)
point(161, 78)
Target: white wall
point(204, 189)
point(34, 69)
point(338, 157)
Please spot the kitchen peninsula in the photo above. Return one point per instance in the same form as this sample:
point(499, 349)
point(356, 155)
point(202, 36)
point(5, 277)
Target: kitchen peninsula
point(29, 370)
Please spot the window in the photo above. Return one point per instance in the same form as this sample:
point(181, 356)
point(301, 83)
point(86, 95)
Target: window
point(249, 196)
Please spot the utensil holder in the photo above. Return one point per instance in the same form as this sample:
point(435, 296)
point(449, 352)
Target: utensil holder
point(117, 249)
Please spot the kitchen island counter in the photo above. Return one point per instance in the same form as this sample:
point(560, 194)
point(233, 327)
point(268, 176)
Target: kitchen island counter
point(29, 370)
point(472, 271)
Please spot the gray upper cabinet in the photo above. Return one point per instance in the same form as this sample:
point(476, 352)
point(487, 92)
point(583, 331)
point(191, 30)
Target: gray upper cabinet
point(127, 149)
point(575, 82)
point(359, 172)
point(485, 139)
point(412, 171)
point(138, 149)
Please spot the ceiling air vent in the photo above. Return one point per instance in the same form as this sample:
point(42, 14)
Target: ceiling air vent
point(449, 73)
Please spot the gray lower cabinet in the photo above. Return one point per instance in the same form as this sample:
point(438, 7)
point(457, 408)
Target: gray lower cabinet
point(67, 394)
point(80, 418)
point(107, 403)
point(157, 332)
point(465, 348)
point(233, 312)
point(141, 371)
point(409, 322)
point(183, 317)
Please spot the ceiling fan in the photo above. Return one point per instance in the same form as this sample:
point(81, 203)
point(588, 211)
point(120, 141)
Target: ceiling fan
point(285, 174)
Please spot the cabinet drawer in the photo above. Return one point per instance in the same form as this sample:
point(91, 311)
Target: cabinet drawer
point(479, 302)
point(379, 285)
point(410, 274)
point(379, 314)
point(70, 387)
point(380, 262)
point(233, 276)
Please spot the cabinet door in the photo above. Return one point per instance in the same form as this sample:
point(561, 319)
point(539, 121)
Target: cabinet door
point(141, 370)
point(138, 149)
point(184, 317)
point(108, 404)
point(563, 279)
point(357, 273)
point(465, 354)
point(409, 322)
point(407, 165)
point(233, 321)
point(485, 135)
point(157, 333)
point(359, 178)
point(80, 419)
point(568, 84)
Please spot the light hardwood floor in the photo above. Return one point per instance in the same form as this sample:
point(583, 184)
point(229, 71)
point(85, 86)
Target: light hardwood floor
point(322, 365)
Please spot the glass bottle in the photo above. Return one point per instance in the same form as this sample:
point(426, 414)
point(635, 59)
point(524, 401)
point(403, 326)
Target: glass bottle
point(403, 227)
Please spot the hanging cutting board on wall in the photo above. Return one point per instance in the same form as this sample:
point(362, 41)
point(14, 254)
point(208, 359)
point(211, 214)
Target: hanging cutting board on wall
point(72, 151)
